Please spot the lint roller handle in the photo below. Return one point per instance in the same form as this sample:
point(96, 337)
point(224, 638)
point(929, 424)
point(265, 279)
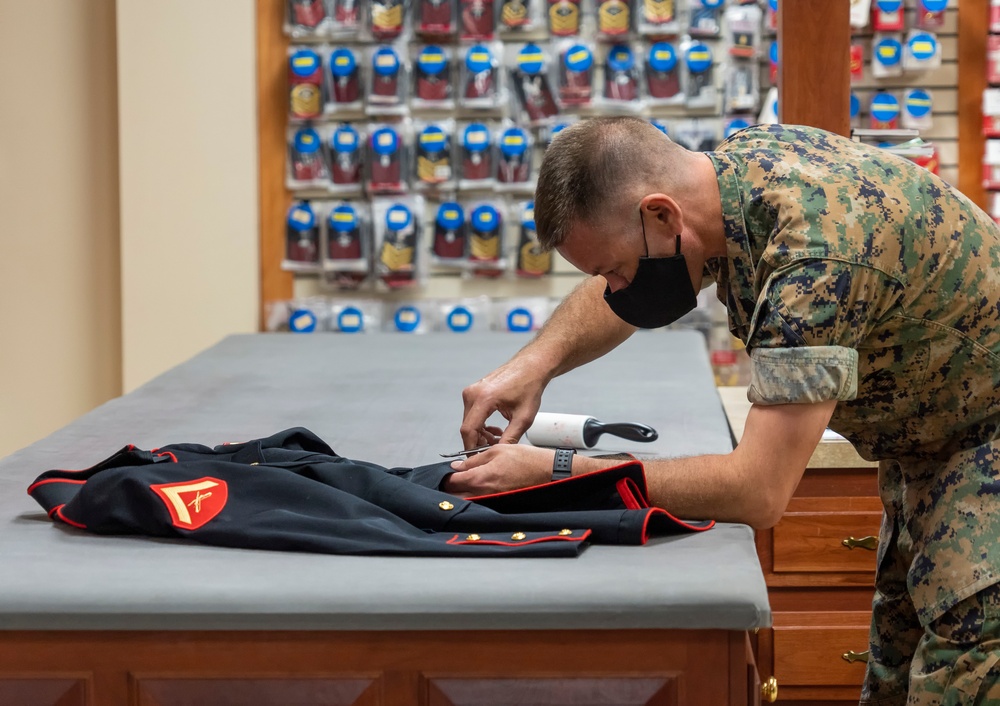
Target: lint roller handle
point(633, 431)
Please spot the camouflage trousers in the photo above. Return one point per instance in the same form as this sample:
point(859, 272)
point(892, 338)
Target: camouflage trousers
point(952, 661)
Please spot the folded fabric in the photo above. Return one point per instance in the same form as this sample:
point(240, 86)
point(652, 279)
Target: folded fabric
point(291, 492)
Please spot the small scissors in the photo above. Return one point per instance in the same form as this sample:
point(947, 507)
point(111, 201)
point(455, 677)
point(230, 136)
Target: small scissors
point(467, 452)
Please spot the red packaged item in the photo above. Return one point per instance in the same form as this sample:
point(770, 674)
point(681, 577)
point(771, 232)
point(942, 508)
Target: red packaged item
point(386, 19)
point(885, 111)
point(887, 15)
point(434, 156)
point(931, 162)
point(345, 156)
point(995, 16)
point(449, 232)
point(302, 234)
point(478, 20)
point(435, 17)
point(307, 156)
point(344, 234)
point(397, 256)
point(514, 163)
point(480, 81)
point(344, 75)
point(308, 13)
point(620, 79)
point(485, 241)
point(531, 84)
point(576, 64)
point(564, 17)
point(857, 62)
point(433, 75)
point(662, 72)
point(305, 78)
point(345, 13)
point(386, 161)
point(476, 148)
point(385, 77)
point(930, 14)
point(993, 59)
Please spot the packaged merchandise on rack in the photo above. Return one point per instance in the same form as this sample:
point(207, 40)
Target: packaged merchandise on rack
point(930, 14)
point(305, 84)
point(993, 59)
point(435, 156)
point(614, 18)
point(663, 75)
point(575, 72)
point(772, 63)
point(884, 111)
point(698, 134)
point(398, 231)
point(478, 21)
point(435, 19)
point(991, 112)
point(387, 159)
point(387, 84)
point(991, 165)
point(622, 79)
point(346, 19)
point(415, 316)
point(742, 89)
point(386, 19)
point(698, 75)
point(346, 149)
point(521, 16)
point(347, 252)
point(463, 315)
point(345, 81)
point(705, 18)
point(304, 315)
point(450, 244)
point(521, 314)
point(480, 79)
point(743, 34)
point(564, 17)
point(922, 52)
point(857, 62)
point(994, 15)
point(515, 149)
point(476, 170)
point(918, 111)
point(860, 13)
point(486, 238)
point(306, 18)
point(355, 315)
point(532, 261)
point(306, 163)
point(302, 238)
point(529, 69)
point(658, 18)
point(432, 77)
point(887, 55)
point(771, 16)
point(888, 16)
point(769, 110)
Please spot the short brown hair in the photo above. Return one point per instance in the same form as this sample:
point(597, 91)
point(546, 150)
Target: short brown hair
point(593, 162)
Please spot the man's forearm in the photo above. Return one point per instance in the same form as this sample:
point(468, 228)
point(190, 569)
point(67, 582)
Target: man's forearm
point(580, 330)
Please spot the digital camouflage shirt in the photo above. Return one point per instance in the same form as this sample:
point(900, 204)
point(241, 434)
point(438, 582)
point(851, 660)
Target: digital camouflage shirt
point(855, 275)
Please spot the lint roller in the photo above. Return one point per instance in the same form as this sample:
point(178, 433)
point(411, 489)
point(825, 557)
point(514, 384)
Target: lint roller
point(582, 432)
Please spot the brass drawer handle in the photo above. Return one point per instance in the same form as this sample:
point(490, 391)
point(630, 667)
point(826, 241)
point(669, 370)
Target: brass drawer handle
point(868, 542)
point(852, 656)
point(769, 690)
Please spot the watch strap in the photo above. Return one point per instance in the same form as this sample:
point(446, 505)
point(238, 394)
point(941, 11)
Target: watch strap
point(562, 464)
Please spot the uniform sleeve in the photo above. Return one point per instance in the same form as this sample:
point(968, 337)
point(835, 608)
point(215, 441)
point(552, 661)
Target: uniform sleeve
point(810, 320)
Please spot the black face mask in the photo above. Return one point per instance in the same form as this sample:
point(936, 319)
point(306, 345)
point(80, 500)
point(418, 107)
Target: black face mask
point(660, 293)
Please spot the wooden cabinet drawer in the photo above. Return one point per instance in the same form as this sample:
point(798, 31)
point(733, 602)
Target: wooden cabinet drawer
point(809, 648)
point(811, 536)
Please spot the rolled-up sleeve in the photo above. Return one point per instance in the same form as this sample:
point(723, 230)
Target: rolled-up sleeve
point(810, 320)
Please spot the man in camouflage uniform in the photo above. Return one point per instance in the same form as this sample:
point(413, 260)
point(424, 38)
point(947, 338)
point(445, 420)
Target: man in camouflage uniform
point(867, 291)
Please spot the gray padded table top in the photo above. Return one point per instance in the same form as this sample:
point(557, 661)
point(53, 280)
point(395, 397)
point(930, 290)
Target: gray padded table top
point(392, 400)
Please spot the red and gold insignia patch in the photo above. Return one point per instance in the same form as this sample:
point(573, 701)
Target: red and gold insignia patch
point(193, 504)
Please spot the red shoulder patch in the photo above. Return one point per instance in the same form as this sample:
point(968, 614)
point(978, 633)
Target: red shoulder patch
point(194, 503)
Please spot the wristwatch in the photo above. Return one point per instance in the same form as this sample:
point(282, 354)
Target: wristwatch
point(562, 465)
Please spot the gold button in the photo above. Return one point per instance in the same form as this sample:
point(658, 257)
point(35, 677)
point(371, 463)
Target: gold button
point(255, 463)
point(518, 536)
point(445, 505)
point(472, 538)
point(565, 533)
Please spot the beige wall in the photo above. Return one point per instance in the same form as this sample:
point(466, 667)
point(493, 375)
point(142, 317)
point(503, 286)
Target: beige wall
point(187, 111)
point(60, 333)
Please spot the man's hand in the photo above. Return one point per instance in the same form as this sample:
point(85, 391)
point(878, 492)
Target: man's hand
point(514, 390)
point(501, 468)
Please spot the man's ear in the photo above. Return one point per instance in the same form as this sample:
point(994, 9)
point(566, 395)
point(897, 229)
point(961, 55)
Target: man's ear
point(665, 211)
